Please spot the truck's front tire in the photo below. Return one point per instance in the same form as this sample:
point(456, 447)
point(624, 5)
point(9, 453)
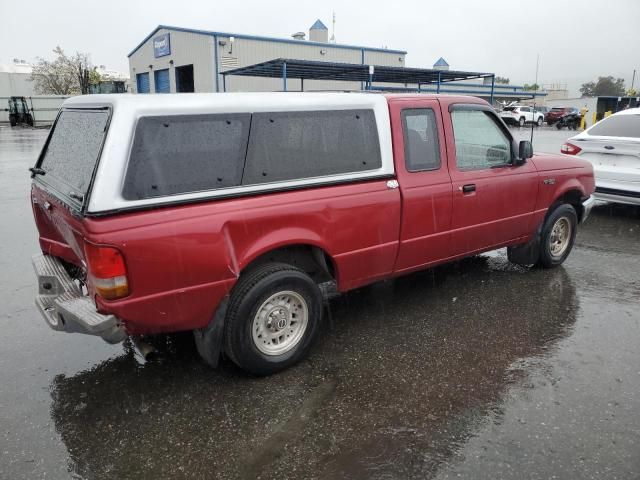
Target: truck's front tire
point(274, 315)
point(558, 235)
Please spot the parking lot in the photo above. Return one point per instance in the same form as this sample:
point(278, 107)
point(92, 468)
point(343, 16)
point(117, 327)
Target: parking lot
point(478, 369)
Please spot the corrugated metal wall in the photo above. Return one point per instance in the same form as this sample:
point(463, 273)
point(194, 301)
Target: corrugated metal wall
point(186, 48)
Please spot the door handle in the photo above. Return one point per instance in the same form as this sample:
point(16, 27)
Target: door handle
point(470, 187)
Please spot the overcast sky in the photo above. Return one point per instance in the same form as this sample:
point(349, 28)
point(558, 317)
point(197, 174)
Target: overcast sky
point(577, 40)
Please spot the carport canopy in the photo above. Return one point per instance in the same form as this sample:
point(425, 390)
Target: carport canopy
point(352, 72)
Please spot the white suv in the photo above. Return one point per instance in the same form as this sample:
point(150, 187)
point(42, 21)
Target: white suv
point(521, 114)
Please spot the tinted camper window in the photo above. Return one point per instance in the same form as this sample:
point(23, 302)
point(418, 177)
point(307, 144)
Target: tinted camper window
point(72, 151)
point(186, 153)
point(296, 145)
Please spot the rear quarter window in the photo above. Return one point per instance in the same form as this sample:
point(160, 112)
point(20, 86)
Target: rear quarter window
point(617, 126)
point(297, 145)
point(71, 154)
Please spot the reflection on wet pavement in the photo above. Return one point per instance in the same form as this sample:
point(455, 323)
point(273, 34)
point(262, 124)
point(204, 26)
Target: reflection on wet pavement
point(478, 369)
point(409, 369)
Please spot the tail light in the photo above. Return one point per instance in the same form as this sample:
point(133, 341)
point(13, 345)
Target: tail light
point(570, 149)
point(107, 271)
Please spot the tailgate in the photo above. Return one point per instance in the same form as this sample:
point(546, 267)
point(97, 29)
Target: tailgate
point(62, 180)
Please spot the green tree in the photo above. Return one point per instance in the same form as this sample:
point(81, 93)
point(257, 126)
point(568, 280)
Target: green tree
point(502, 80)
point(65, 75)
point(535, 86)
point(604, 86)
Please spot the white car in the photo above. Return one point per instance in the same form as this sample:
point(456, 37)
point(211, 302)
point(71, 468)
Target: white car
point(613, 147)
point(521, 114)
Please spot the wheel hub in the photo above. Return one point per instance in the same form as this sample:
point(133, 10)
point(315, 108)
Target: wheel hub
point(279, 323)
point(560, 237)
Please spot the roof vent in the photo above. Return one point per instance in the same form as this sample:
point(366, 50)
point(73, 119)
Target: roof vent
point(299, 35)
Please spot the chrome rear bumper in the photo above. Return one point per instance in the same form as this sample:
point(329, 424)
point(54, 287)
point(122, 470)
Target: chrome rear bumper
point(65, 308)
point(587, 205)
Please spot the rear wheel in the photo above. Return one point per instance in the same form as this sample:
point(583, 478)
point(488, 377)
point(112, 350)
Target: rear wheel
point(273, 317)
point(540, 121)
point(558, 235)
point(559, 126)
point(521, 122)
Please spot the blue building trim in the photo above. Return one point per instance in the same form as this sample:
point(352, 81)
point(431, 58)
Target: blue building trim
point(445, 89)
point(362, 63)
point(264, 39)
point(215, 61)
point(318, 26)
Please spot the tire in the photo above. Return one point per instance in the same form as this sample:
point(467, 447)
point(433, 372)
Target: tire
point(267, 303)
point(12, 121)
point(540, 121)
point(559, 126)
point(555, 246)
point(521, 122)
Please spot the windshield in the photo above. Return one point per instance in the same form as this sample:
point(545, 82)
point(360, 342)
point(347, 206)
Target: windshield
point(72, 152)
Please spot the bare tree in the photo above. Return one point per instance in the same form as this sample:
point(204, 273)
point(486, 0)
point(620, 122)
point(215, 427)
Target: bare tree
point(64, 75)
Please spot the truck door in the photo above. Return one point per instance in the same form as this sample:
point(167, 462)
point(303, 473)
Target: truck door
point(421, 166)
point(493, 200)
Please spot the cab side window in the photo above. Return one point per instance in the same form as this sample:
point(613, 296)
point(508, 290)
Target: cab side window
point(480, 142)
point(421, 147)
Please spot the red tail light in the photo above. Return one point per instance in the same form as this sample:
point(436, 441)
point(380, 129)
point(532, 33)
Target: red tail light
point(570, 149)
point(107, 271)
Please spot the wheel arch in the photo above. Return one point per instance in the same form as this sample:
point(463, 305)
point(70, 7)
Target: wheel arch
point(572, 194)
point(310, 257)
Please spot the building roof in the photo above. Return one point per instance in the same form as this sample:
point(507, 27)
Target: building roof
point(310, 69)
point(265, 39)
point(441, 63)
point(318, 26)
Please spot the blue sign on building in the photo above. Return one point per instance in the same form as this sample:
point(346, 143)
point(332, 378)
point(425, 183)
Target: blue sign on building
point(162, 45)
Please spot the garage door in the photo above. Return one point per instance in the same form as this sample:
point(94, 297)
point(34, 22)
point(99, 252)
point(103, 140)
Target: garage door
point(142, 82)
point(161, 78)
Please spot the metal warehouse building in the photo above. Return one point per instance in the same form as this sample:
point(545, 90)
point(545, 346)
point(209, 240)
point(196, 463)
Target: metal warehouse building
point(172, 59)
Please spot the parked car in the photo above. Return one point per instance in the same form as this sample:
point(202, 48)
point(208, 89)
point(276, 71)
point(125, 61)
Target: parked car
point(235, 215)
point(542, 110)
point(521, 114)
point(613, 147)
point(556, 113)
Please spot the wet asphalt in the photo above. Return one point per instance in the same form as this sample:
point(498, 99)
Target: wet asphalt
point(478, 369)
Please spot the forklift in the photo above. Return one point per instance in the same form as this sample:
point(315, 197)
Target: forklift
point(19, 112)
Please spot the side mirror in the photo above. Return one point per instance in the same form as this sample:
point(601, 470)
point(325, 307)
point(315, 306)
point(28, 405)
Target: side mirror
point(525, 150)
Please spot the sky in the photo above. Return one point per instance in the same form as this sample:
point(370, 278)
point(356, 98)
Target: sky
point(576, 40)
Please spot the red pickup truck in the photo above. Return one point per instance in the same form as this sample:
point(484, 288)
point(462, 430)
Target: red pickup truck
point(236, 215)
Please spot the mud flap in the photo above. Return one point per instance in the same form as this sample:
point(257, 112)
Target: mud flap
point(209, 339)
point(528, 253)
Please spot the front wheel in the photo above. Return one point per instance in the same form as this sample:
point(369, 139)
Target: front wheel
point(559, 126)
point(558, 235)
point(273, 317)
point(521, 122)
point(539, 122)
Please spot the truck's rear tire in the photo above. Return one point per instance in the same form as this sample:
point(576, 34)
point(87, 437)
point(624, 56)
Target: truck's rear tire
point(558, 235)
point(273, 317)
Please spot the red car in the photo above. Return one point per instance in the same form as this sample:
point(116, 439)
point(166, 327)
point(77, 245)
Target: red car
point(235, 215)
point(556, 113)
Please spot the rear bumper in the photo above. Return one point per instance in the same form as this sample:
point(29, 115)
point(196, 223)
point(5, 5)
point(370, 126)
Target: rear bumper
point(65, 308)
point(617, 195)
